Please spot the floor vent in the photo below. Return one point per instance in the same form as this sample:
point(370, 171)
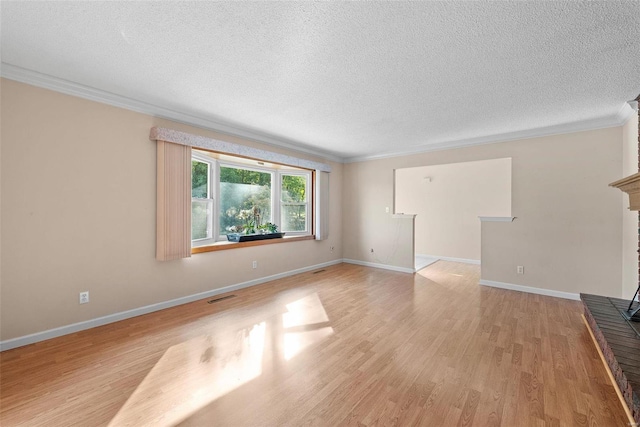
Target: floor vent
point(220, 299)
point(319, 271)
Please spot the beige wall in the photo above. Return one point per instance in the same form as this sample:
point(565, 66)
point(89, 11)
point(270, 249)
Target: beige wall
point(78, 213)
point(77, 182)
point(448, 200)
point(568, 229)
point(629, 218)
point(371, 234)
point(1, 86)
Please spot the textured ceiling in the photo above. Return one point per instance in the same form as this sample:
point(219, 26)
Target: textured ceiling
point(351, 79)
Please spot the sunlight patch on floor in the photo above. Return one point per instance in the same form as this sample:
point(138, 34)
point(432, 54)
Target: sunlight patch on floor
point(422, 261)
point(304, 311)
point(305, 324)
point(190, 375)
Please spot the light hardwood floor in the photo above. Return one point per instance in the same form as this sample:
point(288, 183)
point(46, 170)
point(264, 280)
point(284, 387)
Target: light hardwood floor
point(349, 345)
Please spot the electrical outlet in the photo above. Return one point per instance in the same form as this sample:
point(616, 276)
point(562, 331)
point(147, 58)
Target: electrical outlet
point(520, 269)
point(255, 264)
point(84, 297)
point(331, 248)
point(386, 209)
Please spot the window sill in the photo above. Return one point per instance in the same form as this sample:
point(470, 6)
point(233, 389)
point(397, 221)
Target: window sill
point(223, 246)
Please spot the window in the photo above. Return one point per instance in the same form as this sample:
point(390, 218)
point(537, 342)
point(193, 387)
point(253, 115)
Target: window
point(245, 199)
point(181, 232)
point(232, 194)
point(294, 207)
point(201, 201)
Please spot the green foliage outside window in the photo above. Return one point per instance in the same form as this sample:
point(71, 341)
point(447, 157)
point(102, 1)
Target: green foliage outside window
point(294, 188)
point(294, 209)
point(245, 200)
point(199, 179)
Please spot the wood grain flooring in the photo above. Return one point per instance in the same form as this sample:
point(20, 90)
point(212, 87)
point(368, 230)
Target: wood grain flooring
point(349, 345)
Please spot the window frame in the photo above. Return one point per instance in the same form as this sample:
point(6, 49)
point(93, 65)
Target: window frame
point(277, 172)
point(307, 203)
point(230, 164)
point(197, 157)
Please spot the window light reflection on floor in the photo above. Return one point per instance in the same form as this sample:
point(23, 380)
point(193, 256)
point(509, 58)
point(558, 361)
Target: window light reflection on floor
point(305, 323)
point(193, 374)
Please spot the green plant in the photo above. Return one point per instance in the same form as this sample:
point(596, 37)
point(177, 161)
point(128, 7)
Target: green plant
point(270, 227)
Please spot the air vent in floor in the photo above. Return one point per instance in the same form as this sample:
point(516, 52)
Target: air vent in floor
point(220, 299)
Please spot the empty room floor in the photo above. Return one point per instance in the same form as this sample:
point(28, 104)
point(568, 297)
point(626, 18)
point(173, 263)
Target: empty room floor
point(347, 345)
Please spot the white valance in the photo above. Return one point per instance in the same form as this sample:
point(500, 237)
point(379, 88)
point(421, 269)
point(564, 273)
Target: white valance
point(184, 138)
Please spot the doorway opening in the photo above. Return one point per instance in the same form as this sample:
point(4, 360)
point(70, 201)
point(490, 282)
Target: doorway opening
point(447, 200)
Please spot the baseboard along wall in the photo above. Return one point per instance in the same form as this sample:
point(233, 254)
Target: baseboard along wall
point(111, 318)
point(531, 290)
point(446, 258)
point(376, 265)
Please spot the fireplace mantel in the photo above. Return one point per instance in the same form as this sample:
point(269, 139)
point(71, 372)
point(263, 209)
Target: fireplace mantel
point(631, 186)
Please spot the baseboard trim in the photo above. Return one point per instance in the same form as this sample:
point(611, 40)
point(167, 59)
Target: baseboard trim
point(376, 265)
point(446, 258)
point(530, 290)
point(116, 317)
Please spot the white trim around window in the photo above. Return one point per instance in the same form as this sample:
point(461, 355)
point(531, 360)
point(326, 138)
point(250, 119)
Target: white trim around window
point(304, 204)
point(202, 203)
point(215, 195)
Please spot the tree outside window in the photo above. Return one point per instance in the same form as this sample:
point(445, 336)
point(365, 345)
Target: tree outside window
point(294, 204)
point(245, 199)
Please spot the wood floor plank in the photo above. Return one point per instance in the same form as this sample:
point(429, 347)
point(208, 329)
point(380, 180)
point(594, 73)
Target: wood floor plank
point(350, 345)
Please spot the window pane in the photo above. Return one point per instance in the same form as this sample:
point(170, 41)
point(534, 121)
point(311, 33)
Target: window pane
point(294, 217)
point(245, 199)
point(201, 211)
point(294, 188)
point(199, 179)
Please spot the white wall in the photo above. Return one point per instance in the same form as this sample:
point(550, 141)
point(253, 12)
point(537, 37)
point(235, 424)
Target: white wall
point(78, 213)
point(448, 200)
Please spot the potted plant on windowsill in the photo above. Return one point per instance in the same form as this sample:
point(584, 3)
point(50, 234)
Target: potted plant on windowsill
point(264, 232)
point(253, 230)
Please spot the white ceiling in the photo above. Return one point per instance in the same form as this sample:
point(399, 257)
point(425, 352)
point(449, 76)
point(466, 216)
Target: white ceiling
point(352, 79)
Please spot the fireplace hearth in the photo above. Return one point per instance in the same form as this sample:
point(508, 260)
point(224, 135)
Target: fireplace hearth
point(632, 313)
point(619, 341)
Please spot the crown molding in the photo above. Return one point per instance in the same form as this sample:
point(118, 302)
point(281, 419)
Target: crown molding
point(627, 110)
point(34, 78)
point(45, 81)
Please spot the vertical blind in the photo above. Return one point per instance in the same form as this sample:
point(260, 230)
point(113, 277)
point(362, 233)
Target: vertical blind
point(322, 205)
point(173, 239)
